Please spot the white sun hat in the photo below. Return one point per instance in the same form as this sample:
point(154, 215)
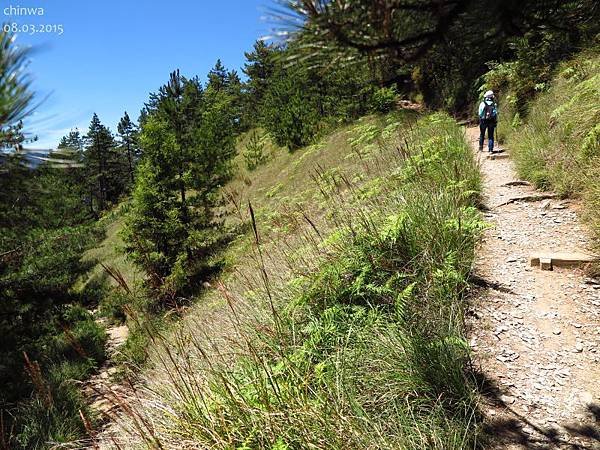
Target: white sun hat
point(488, 94)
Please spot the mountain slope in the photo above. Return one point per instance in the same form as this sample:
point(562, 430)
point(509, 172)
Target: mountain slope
point(342, 321)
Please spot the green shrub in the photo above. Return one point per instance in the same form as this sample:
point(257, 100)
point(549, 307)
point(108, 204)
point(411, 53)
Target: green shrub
point(144, 328)
point(384, 100)
point(52, 414)
point(113, 305)
point(558, 147)
point(51, 326)
point(135, 350)
point(537, 54)
point(291, 114)
point(36, 296)
point(254, 153)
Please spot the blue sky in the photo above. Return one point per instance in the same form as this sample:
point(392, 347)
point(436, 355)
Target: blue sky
point(113, 53)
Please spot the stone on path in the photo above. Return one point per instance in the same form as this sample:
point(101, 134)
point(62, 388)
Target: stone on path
point(528, 198)
point(494, 156)
point(517, 183)
point(545, 263)
point(117, 335)
point(507, 399)
point(548, 261)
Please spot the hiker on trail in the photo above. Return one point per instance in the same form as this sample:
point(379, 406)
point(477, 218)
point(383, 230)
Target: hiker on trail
point(488, 118)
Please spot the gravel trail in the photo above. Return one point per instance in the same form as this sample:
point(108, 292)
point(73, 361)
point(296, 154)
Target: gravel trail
point(535, 333)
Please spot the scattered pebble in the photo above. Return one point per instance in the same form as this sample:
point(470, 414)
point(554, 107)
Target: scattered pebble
point(507, 399)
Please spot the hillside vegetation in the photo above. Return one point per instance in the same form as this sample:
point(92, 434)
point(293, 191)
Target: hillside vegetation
point(558, 145)
point(289, 251)
point(345, 328)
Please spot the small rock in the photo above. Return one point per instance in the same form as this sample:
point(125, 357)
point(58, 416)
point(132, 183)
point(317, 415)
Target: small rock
point(507, 356)
point(500, 329)
point(578, 347)
point(556, 331)
point(545, 263)
point(101, 405)
point(587, 397)
point(509, 400)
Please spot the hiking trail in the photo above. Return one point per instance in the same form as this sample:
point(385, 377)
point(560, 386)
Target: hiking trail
point(100, 389)
point(534, 333)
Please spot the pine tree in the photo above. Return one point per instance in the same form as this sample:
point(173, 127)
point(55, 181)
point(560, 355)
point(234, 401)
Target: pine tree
point(104, 166)
point(128, 135)
point(235, 90)
point(217, 76)
point(438, 48)
point(15, 93)
point(188, 141)
point(292, 108)
point(69, 153)
point(259, 68)
point(64, 175)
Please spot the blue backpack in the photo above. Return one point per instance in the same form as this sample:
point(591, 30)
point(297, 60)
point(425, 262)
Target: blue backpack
point(489, 113)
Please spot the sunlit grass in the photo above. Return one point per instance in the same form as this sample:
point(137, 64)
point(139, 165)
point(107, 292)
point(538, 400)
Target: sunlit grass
point(342, 324)
point(558, 147)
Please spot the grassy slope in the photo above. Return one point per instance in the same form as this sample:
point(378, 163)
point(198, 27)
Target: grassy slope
point(109, 252)
point(559, 145)
point(344, 327)
point(285, 179)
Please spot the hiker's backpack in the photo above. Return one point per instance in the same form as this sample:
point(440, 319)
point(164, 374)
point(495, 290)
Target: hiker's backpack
point(489, 112)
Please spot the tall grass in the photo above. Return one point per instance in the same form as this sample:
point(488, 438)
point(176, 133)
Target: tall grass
point(52, 413)
point(559, 145)
point(346, 333)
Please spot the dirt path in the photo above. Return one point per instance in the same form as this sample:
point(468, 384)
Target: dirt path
point(99, 388)
point(535, 334)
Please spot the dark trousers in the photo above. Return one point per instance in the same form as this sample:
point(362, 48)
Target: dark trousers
point(490, 126)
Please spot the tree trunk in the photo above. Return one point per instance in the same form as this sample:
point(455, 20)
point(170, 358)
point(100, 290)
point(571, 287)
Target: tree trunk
point(130, 160)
